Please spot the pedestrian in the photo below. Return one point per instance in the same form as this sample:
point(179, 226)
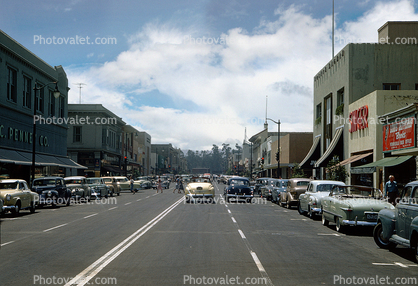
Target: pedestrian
point(391, 190)
point(181, 186)
point(177, 185)
point(131, 185)
point(159, 186)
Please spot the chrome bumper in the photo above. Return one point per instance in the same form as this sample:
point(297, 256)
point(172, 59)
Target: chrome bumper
point(358, 223)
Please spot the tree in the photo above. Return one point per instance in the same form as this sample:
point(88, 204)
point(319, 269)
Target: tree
point(297, 172)
point(335, 171)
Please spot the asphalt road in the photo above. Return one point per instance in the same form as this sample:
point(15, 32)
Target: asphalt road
point(158, 239)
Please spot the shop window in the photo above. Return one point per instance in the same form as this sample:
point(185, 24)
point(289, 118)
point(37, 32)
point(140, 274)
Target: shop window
point(391, 86)
point(12, 85)
point(76, 134)
point(27, 92)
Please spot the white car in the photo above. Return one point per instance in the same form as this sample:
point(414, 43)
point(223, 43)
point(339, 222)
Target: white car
point(310, 201)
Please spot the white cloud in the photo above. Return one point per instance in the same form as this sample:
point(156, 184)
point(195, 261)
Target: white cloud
point(228, 81)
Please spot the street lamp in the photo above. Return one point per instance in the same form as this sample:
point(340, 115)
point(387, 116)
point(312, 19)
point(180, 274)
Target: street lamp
point(278, 147)
point(35, 106)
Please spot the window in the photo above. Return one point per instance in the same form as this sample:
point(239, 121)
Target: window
point(51, 104)
point(340, 97)
point(391, 86)
point(12, 85)
point(104, 136)
point(39, 100)
point(27, 92)
point(328, 121)
point(61, 107)
point(319, 111)
point(416, 86)
point(76, 134)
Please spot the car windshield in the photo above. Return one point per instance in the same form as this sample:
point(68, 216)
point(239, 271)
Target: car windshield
point(107, 180)
point(11, 185)
point(44, 182)
point(121, 180)
point(302, 183)
point(93, 180)
point(324, 187)
point(73, 181)
point(199, 180)
point(357, 191)
point(239, 182)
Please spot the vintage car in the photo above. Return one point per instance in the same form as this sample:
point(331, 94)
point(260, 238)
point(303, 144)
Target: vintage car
point(51, 190)
point(295, 187)
point(310, 201)
point(78, 187)
point(353, 206)
point(400, 224)
point(199, 188)
point(278, 190)
point(121, 183)
point(145, 184)
point(258, 184)
point(97, 187)
point(238, 189)
point(15, 196)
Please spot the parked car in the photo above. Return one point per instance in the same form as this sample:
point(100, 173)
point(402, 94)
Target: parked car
point(146, 184)
point(97, 187)
point(199, 188)
point(51, 190)
point(310, 201)
point(353, 206)
point(258, 184)
point(238, 189)
point(165, 184)
point(295, 187)
point(278, 190)
point(15, 195)
point(78, 187)
point(399, 225)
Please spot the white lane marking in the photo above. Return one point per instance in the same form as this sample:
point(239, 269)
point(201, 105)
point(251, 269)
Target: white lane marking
point(229, 211)
point(147, 197)
point(112, 208)
point(6, 243)
point(87, 274)
point(257, 262)
point(55, 227)
point(396, 264)
point(91, 215)
point(242, 234)
point(138, 200)
point(233, 219)
point(304, 219)
point(333, 234)
point(128, 203)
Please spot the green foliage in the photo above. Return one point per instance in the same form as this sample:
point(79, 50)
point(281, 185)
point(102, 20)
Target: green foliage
point(340, 109)
point(297, 172)
point(336, 172)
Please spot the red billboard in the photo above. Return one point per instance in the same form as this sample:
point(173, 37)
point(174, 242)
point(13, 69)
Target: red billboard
point(399, 134)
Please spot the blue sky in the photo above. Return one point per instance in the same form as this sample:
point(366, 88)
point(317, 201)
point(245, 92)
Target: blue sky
point(196, 73)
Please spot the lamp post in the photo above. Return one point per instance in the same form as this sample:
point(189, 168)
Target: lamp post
point(35, 106)
point(278, 147)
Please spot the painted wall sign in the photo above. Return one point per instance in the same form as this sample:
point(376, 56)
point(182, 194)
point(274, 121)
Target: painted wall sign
point(399, 134)
point(18, 135)
point(358, 119)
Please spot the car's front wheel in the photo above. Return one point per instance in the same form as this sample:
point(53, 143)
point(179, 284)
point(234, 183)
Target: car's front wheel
point(32, 207)
point(324, 220)
point(378, 238)
point(16, 210)
point(301, 212)
point(338, 226)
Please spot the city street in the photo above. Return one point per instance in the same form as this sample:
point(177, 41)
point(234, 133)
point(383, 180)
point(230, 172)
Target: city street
point(158, 239)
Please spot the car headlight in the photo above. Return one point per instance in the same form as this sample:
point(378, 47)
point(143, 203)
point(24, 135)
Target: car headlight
point(8, 197)
point(49, 193)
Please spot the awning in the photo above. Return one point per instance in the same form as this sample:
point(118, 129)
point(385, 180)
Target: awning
point(25, 158)
point(113, 169)
point(385, 162)
point(354, 158)
point(336, 141)
point(313, 154)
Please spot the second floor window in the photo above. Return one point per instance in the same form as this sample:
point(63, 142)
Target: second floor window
point(39, 100)
point(391, 86)
point(12, 85)
point(27, 92)
point(51, 104)
point(77, 134)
